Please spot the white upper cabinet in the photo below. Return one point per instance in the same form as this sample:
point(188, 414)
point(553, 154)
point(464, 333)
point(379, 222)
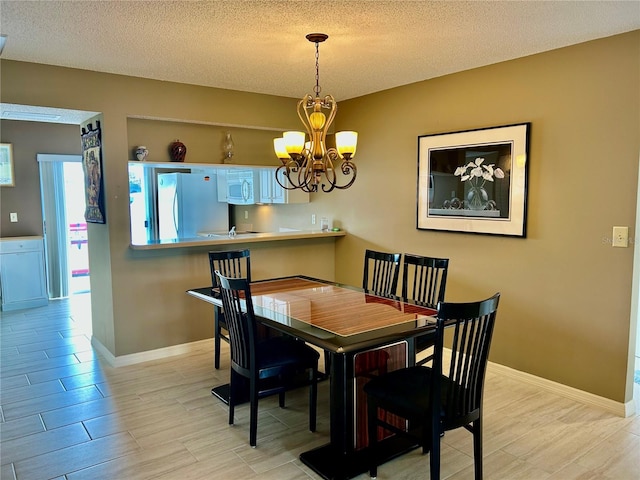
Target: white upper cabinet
point(238, 186)
point(272, 192)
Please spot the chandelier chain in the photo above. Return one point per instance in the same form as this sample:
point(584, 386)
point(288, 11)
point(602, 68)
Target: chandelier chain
point(317, 88)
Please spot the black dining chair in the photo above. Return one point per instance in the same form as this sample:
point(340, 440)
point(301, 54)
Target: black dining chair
point(379, 277)
point(431, 401)
point(424, 280)
point(231, 263)
point(381, 272)
point(272, 366)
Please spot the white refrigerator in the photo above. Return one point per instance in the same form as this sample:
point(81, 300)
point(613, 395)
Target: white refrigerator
point(188, 204)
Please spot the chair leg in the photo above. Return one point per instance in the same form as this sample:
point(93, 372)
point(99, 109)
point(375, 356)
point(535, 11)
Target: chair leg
point(477, 448)
point(216, 338)
point(313, 399)
point(281, 401)
point(232, 397)
point(434, 456)
point(253, 408)
point(372, 426)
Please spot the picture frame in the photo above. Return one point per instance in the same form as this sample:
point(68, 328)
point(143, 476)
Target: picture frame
point(92, 167)
point(7, 175)
point(474, 181)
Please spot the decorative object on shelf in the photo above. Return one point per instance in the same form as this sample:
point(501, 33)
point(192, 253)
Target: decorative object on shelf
point(177, 151)
point(474, 181)
point(92, 166)
point(308, 165)
point(228, 148)
point(7, 178)
point(142, 153)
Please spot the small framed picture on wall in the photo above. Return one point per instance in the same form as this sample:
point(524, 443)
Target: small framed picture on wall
point(7, 178)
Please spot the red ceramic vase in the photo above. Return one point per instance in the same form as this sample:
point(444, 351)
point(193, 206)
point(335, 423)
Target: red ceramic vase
point(177, 151)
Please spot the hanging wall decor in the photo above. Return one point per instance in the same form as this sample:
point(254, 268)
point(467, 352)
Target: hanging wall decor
point(474, 181)
point(92, 166)
point(7, 178)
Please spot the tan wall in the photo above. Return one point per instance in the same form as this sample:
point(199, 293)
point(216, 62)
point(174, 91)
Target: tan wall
point(203, 142)
point(28, 140)
point(565, 310)
point(566, 293)
point(138, 299)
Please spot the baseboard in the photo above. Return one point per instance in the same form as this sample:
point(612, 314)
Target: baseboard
point(621, 409)
point(140, 357)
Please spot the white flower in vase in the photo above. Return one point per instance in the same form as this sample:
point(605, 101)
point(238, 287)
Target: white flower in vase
point(477, 174)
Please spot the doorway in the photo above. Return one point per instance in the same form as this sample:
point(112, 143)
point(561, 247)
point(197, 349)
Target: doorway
point(64, 226)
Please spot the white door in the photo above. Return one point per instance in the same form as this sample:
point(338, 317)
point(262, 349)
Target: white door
point(64, 226)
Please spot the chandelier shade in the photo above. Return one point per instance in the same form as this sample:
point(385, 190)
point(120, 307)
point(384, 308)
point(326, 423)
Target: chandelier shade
point(307, 163)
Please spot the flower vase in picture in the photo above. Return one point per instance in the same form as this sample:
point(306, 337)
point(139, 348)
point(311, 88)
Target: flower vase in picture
point(477, 174)
point(477, 198)
point(177, 151)
point(141, 153)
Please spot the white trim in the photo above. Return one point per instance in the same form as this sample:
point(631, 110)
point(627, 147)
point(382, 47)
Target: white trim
point(140, 357)
point(51, 157)
point(621, 409)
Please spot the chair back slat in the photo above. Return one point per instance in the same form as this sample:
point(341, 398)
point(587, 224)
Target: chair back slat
point(424, 279)
point(231, 263)
point(235, 293)
point(381, 273)
point(471, 326)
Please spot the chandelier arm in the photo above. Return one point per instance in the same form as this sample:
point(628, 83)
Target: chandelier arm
point(329, 172)
point(303, 114)
point(347, 167)
point(305, 175)
point(332, 105)
point(286, 172)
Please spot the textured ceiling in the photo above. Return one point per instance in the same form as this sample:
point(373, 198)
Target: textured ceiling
point(260, 46)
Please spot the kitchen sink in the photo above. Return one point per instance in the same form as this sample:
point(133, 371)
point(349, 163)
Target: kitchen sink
point(225, 234)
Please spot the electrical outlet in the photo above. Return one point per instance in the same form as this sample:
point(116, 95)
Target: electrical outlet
point(246, 214)
point(620, 237)
point(313, 219)
point(13, 216)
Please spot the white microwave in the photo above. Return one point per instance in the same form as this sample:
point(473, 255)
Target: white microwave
point(237, 186)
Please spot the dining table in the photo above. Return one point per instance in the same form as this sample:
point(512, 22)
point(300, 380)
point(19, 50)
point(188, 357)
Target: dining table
point(362, 334)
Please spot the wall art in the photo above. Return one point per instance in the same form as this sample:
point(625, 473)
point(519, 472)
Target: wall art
point(474, 181)
point(92, 166)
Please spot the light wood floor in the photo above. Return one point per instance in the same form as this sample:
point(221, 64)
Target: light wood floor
point(67, 415)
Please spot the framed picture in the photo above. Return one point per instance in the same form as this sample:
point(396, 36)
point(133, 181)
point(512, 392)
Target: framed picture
point(474, 181)
point(7, 178)
point(92, 166)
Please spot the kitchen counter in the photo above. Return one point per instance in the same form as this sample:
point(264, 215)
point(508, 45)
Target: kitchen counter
point(240, 238)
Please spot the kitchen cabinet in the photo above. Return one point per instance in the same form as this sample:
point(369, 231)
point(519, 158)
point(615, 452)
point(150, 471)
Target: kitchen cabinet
point(22, 273)
point(271, 191)
point(238, 186)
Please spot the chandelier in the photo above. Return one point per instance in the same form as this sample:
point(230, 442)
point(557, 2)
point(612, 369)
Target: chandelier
point(308, 164)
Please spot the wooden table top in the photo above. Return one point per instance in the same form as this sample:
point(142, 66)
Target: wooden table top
point(337, 309)
point(335, 317)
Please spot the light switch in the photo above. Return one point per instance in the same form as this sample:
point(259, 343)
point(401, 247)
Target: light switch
point(13, 216)
point(620, 237)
